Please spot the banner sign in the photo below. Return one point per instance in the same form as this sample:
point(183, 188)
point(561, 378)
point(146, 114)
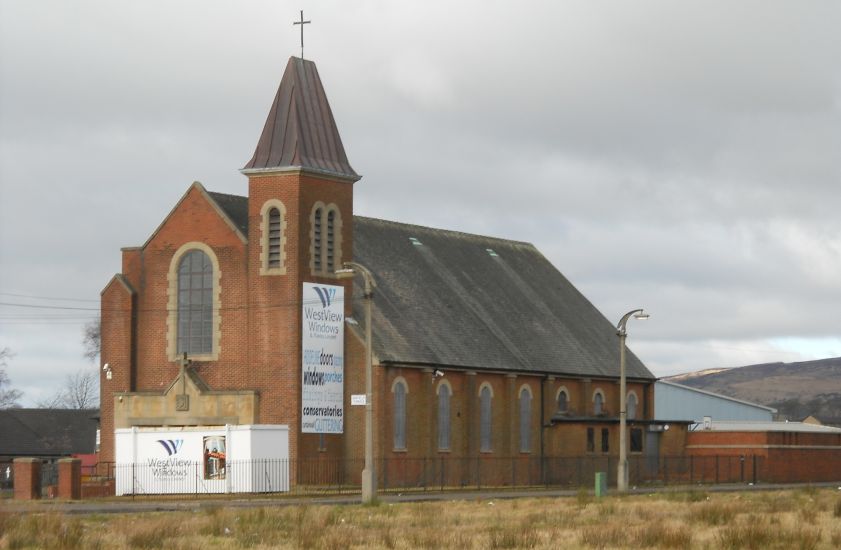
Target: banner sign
point(322, 359)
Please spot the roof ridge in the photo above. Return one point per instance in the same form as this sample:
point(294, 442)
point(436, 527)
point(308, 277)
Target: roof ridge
point(217, 193)
point(444, 231)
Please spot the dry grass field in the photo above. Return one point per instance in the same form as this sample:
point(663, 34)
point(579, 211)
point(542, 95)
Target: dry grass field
point(799, 519)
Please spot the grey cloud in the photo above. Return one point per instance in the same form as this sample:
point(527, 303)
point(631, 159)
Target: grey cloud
point(682, 157)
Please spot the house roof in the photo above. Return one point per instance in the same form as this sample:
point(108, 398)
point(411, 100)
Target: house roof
point(449, 298)
point(47, 432)
point(300, 132)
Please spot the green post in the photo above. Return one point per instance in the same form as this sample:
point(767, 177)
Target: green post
point(601, 484)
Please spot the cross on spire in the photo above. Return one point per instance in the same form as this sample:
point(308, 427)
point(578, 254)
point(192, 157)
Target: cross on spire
point(302, 23)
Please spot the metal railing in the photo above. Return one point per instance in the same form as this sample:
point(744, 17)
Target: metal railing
point(342, 476)
point(440, 473)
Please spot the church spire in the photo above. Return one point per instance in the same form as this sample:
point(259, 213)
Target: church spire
point(300, 132)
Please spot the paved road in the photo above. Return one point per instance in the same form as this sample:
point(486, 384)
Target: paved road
point(127, 505)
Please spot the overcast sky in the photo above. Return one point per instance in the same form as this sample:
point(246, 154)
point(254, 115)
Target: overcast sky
point(684, 157)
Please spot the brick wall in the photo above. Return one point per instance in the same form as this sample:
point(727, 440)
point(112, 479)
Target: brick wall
point(259, 315)
point(117, 349)
point(783, 457)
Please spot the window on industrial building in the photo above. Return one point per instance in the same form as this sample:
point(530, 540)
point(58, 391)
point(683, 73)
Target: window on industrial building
point(631, 406)
point(444, 394)
point(591, 440)
point(485, 396)
point(525, 420)
point(195, 303)
point(605, 440)
point(598, 403)
point(399, 390)
point(636, 440)
point(563, 401)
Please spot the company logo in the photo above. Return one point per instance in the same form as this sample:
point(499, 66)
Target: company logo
point(326, 295)
point(172, 446)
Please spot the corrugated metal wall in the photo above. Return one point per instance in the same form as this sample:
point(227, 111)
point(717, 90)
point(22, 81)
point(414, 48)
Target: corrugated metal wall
point(673, 402)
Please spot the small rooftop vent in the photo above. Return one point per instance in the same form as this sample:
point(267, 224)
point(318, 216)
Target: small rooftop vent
point(491, 253)
point(415, 242)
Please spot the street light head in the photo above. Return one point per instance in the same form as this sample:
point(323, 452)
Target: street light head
point(642, 316)
point(345, 273)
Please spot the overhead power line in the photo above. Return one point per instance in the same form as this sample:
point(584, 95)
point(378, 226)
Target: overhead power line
point(47, 297)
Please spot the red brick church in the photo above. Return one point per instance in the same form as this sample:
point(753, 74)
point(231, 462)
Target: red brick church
point(481, 347)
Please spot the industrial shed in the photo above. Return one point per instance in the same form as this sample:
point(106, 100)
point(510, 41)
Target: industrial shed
point(678, 402)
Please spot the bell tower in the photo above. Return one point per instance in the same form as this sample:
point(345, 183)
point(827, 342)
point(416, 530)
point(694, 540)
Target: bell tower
point(300, 229)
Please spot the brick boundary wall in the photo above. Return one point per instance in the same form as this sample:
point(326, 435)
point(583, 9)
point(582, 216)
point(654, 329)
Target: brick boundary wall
point(70, 478)
point(27, 478)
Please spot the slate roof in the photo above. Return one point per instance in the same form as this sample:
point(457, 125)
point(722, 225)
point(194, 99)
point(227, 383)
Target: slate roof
point(481, 303)
point(235, 206)
point(300, 131)
point(450, 302)
point(47, 432)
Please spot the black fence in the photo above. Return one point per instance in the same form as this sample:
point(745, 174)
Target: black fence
point(333, 476)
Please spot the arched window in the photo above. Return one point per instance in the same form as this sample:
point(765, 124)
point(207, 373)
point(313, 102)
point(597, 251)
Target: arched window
point(331, 241)
point(631, 406)
point(563, 401)
point(399, 390)
point(326, 246)
point(444, 394)
point(316, 240)
point(598, 403)
point(525, 420)
point(195, 303)
point(273, 238)
point(485, 396)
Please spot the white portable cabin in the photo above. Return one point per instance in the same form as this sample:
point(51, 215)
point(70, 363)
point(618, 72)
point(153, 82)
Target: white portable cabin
point(205, 459)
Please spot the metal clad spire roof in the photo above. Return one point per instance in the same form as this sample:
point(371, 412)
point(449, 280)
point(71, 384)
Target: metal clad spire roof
point(300, 131)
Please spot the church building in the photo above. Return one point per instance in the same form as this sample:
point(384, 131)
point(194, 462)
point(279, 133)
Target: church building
point(481, 347)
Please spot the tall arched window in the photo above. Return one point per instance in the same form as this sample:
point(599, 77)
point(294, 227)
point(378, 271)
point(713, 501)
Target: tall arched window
point(331, 241)
point(195, 303)
point(399, 390)
point(631, 407)
point(444, 394)
point(316, 240)
point(525, 420)
point(326, 246)
point(273, 238)
point(485, 419)
point(563, 401)
point(598, 403)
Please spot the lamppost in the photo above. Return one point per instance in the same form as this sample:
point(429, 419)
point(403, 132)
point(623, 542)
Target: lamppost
point(369, 475)
point(622, 472)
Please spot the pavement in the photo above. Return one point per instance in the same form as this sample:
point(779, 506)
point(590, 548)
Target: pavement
point(131, 505)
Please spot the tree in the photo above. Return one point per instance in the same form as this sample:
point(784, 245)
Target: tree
point(91, 339)
point(8, 396)
point(80, 391)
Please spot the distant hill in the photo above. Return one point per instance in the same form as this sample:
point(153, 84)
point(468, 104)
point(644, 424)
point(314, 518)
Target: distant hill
point(797, 390)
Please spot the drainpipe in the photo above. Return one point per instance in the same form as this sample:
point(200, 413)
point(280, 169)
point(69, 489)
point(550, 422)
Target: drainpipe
point(542, 426)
